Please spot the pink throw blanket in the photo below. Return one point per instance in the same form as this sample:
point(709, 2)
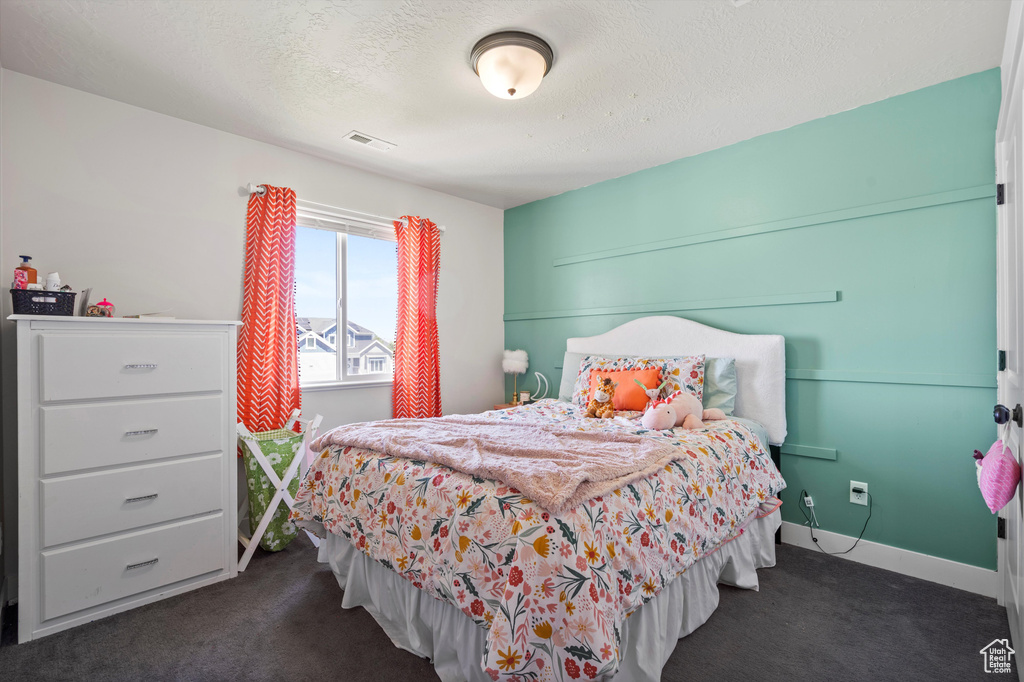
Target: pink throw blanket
point(556, 467)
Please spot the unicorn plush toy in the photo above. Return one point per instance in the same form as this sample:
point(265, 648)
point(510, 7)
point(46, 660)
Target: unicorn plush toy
point(679, 409)
point(652, 393)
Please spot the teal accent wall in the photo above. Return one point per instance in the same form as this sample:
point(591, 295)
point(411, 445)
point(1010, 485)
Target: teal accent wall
point(868, 239)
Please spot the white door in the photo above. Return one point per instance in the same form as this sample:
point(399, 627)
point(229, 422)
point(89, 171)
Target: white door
point(1010, 316)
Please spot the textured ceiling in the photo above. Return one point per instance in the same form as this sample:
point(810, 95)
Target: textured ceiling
point(634, 84)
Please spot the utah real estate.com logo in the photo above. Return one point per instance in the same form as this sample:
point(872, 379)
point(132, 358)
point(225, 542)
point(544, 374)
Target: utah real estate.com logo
point(997, 656)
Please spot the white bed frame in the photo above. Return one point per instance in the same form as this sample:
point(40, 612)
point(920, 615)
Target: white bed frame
point(760, 360)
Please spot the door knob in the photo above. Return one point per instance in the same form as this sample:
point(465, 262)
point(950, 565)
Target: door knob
point(1002, 414)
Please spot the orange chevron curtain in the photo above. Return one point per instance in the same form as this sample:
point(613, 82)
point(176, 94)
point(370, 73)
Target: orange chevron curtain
point(416, 391)
point(268, 373)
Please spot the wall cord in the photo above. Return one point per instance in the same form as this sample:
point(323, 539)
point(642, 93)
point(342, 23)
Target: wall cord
point(801, 506)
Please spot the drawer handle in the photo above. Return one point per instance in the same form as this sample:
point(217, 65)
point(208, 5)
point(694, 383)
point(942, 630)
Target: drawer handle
point(143, 432)
point(141, 564)
point(142, 498)
point(142, 366)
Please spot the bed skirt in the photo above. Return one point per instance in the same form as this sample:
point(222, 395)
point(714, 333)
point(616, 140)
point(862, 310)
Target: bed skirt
point(434, 629)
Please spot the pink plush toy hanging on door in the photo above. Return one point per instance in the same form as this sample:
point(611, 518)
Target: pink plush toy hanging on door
point(679, 409)
point(998, 475)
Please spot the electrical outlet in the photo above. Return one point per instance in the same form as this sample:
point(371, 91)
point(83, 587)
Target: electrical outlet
point(859, 498)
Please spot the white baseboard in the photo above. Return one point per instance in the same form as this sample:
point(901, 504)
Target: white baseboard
point(926, 567)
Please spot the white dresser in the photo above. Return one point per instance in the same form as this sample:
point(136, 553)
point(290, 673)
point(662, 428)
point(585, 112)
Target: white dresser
point(126, 464)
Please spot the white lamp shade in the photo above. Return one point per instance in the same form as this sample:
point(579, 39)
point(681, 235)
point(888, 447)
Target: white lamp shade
point(515, 362)
point(511, 71)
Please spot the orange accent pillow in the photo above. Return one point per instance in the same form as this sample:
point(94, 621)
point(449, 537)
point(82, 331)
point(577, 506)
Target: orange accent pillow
point(628, 396)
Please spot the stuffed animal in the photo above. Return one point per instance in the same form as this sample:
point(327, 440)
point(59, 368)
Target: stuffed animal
point(601, 404)
point(652, 393)
point(679, 409)
point(659, 416)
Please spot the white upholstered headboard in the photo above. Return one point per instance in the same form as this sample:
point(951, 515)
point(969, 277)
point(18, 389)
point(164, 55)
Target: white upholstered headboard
point(760, 360)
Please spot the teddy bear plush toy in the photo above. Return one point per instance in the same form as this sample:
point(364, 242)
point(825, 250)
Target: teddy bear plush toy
point(679, 409)
point(601, 404)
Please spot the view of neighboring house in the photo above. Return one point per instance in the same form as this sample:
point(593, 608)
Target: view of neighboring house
point(318, 349)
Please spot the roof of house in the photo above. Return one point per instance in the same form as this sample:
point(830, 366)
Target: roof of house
point(363, 347)
point(314, 324)
point(359, 329)
point(322, 324)
point(365, 338)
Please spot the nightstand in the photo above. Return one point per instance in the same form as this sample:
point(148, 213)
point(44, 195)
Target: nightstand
point(505, 406)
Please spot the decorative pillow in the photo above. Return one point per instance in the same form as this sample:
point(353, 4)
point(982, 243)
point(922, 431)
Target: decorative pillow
point(570, 368)
point(719, 381)
point(998, 476)
point(628, 396)
point(720, 384)
point(683, 373)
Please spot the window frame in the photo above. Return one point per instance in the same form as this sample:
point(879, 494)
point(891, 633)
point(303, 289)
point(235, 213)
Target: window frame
point(342, 377)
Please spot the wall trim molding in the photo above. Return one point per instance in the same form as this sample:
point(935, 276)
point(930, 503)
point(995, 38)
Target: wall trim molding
point(808, 451)
point(866, 211)
point(675, 306)
point(969, 380)
point(935, 569)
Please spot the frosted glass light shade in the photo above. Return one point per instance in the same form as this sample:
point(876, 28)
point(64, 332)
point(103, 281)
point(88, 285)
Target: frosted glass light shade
point(511, 72)
point(511, 64)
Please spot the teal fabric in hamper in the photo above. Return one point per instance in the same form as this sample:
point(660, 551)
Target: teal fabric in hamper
point(280, 448)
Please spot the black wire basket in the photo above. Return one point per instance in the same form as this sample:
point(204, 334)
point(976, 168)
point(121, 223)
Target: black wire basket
point(35, 302)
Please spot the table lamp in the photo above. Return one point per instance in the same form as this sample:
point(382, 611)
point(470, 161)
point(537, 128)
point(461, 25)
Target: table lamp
point(515, 362)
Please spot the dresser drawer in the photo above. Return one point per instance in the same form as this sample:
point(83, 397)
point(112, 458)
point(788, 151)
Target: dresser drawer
point(87, 505)
point(104, 434)
point(84, 366)
point(98, 572)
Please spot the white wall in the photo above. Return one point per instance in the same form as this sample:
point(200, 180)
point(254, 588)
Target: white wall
point(3, 401)
point(148, 211)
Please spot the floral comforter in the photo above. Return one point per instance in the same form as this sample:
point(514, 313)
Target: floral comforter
point(551, 591)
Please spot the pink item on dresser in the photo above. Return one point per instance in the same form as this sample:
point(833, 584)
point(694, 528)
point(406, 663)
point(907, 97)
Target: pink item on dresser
point(998, 475)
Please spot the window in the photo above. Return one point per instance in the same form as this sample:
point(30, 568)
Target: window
point(345, 275)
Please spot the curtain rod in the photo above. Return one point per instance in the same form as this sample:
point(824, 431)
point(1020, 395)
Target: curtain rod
point(260, 190)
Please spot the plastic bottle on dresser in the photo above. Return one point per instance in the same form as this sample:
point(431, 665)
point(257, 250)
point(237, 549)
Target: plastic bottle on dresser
point(24, 274)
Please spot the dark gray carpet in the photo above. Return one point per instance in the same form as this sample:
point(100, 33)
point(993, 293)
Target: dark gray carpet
point(815, 618)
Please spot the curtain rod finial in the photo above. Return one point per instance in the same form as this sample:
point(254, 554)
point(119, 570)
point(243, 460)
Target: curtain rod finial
point(258, 190)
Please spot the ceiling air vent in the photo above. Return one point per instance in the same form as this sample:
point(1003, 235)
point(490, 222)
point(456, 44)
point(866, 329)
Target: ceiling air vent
point(375, 143)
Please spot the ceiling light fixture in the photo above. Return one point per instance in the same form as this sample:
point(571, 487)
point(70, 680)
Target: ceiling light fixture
point(511, 64)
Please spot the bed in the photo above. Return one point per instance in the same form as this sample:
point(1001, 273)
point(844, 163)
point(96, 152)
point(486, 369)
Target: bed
point(489, 584)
